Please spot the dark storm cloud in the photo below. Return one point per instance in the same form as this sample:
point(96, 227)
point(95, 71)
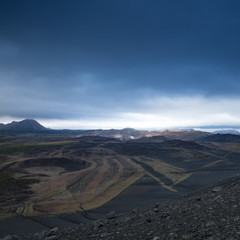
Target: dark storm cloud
point(69, 59)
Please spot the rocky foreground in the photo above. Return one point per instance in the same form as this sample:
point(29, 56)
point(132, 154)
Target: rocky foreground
point(212, 213)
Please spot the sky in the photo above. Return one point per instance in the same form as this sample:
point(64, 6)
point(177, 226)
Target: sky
point(146, 64)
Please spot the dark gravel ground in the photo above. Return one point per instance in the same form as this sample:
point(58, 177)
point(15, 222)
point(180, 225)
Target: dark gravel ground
point(211, 213)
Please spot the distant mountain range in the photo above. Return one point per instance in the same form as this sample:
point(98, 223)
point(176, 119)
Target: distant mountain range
point(31, 125)
point(235, 132)
point(25, 125)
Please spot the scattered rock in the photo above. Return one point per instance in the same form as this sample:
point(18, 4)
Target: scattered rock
point(53, 231)
point(164, 215)
point(97, 224)
point(216, 189)
point(111, 215)
point(53, 237)
point(150, 233)
point(148, 219)
point(210, 238)
point(156, 209)
point(135, 210)
point(186, 237)
point(124, 219)
point(157, 205)
point(210, 223)
point(104, 235)
point(9, 237)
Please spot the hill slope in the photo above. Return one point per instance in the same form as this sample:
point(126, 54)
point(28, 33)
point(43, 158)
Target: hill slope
point(223, 138)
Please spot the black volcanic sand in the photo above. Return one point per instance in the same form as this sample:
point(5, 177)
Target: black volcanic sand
point(143, 193)
point(211, 214)
point(146, 191)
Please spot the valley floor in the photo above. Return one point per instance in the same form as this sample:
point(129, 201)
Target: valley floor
point(51, 182)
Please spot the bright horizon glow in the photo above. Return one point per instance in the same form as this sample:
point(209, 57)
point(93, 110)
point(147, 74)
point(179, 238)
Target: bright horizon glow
point(158, 113)
point(79, 125)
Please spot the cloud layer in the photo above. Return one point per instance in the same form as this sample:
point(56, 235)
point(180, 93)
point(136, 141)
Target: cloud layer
point(123, 63)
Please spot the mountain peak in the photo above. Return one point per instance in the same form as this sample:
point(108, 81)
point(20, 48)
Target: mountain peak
point(24, 125)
